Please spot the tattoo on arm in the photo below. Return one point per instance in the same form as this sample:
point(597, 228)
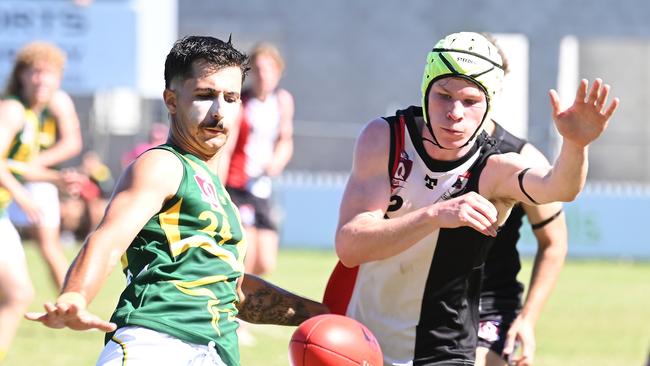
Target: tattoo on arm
point(268, 304)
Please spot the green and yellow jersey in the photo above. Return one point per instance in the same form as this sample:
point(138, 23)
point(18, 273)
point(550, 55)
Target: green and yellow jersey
point(182, 268)
point(22, 149)
point(48, 132)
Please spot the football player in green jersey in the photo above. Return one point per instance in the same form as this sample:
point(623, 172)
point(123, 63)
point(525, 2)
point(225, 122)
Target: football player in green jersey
point(31, 99)
point(178, 236)
point(34, 94)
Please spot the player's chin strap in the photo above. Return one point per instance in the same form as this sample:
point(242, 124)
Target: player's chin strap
point(435, 142)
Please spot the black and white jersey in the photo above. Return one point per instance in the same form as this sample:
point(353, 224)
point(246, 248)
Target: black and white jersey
point(422, 304)
point(500, 290)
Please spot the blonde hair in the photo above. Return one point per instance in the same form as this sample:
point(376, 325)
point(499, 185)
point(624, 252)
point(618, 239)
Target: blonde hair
point(267, 49)
point(29, 55)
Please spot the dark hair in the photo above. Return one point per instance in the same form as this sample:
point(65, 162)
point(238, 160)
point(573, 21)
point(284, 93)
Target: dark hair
point(217, 53)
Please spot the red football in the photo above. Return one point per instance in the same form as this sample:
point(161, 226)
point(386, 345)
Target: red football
point(334, 340)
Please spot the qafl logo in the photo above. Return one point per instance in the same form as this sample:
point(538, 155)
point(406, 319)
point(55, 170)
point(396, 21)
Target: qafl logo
point(208, 192)
point(403, 170)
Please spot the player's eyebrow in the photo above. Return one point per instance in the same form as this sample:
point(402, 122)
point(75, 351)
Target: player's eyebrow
point(212, 91)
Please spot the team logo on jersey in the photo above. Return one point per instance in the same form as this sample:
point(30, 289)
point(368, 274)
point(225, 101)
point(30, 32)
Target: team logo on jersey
point(460, 183)
point(208, 191)
point(402, 171)
point(458, 186)
point(430, 182)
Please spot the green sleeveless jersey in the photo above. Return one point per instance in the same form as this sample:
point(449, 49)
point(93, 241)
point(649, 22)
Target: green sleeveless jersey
point(48, 132)
point(182, 267)
point(23, 149)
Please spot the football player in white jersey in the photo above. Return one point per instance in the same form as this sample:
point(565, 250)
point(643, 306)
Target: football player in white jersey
point(386, 229)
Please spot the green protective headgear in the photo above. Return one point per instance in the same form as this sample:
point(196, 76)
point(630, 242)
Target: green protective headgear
point(466, 55)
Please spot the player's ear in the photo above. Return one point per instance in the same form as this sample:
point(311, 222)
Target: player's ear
point(169, 96)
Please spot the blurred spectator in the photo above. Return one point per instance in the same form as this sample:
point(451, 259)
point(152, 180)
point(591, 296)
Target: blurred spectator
point(263, 147)
point(32, 102)
point(35, 82)
point(82, 2)
point(157, 136)
point(83, 207)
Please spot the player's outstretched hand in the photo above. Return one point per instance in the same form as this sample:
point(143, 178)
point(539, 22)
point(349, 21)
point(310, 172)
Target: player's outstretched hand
point(470, 209)
point(589, 115)
point(71, 316)
point(522, 334)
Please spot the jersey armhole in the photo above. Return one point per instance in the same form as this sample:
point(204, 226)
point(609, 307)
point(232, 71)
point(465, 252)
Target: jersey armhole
point(180, 191)
point(396, 125)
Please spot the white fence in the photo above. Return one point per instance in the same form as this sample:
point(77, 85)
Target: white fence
point(606, 221)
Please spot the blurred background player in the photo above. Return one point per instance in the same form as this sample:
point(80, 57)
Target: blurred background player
point(263, 148)
point(503, 321)
point(35, 79)
point(84, 202)
point(157, 136)
point(35, 82)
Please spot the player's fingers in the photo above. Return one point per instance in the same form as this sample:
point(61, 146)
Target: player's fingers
point(581, 93)
point(555, 101)
point(524, 358)
point(602, 98)
point(91, 321)
point(51, 318)
point(509, 345)
point(488, 225)
point(73, 309)
point(478, 222)
point(39, 317)
point(50, 308)
point(61, 309)
point(594, 91)
point(523, 361)
point(485, 207)
point(612, 108)
point(104, 326)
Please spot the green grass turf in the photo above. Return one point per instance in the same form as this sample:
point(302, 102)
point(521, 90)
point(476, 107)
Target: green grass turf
point(599, 314)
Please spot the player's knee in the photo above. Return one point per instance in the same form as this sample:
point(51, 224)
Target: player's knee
point(266, 265)
point(20, 297)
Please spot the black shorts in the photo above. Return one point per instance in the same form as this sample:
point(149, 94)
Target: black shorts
point(254, 211)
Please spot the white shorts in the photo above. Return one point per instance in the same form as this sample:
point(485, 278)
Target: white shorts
point(11, 249)
point(46, 196)
point(137, 346)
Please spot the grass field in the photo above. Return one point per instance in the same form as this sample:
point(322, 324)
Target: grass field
point(598, 315)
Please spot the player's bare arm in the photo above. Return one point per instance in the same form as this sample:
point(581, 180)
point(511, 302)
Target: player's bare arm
point(11, 119)
point(364, 235)
point(69, 143)
point(265, 303)
point(510, 176)
point(140, 194)
point(549, 227)
point(550, 230)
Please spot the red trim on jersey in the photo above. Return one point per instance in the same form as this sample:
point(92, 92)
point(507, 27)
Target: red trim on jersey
point(237, 177)
point(340, 285)
point(339, 288)
point(398, 134)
